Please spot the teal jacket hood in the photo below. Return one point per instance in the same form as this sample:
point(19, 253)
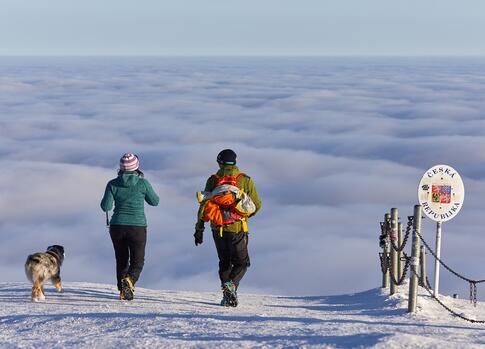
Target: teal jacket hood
point(128, 179)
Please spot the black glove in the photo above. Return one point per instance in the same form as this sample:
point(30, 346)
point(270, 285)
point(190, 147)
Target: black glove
point(198, 236)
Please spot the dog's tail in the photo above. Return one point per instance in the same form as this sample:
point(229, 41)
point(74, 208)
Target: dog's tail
point(31, 264)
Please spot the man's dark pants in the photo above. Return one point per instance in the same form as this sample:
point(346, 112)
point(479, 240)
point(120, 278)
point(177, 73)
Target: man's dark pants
point(232, 250)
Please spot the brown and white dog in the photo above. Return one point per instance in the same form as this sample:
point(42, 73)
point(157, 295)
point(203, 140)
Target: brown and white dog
point(44, 266)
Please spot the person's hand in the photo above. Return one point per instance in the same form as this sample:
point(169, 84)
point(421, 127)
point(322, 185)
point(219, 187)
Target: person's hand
point(198, 236)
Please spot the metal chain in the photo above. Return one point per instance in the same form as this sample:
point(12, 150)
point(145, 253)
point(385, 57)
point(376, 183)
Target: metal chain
point(445, 306)
point(384, 236)
point(384, 265)
point(473, 283)
point(383, 230)
point(386, 230)
point(447, 267)
point(406, 236)
point(405, 269)
point(385, 258)
point(404, 272)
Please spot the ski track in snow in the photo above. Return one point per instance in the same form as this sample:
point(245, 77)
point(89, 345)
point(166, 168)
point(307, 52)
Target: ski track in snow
point(90, 315)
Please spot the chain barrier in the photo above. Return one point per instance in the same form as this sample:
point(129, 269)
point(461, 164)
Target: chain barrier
point(404, 272)
point(383, 240)
point(406, 235)
point(386, 239)
point(384, 265)
point(451, 311)
point(409, 226)
point(385, 258)
point(473, 283)
point(386, 232)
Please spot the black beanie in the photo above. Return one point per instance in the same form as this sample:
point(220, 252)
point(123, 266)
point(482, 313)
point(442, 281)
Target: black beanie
point(227, 157)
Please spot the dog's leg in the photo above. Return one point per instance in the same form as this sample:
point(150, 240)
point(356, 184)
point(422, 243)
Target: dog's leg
point(34, 296)
point(37, 293)
point(41, 286)
point(56, 280)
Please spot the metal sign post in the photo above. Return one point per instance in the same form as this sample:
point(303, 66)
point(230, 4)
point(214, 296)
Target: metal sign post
point(399, 255)
point(441, 194)
point(436, 262)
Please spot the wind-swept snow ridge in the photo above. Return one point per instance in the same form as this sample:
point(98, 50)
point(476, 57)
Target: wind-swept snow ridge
point(90, 315)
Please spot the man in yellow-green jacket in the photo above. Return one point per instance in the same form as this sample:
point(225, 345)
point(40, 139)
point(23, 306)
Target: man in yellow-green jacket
point(231, 239)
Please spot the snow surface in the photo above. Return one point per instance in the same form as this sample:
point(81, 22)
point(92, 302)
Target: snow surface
point(90, 315)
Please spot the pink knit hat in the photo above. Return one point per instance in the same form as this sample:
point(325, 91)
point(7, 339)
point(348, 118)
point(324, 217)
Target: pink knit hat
point(129, 162)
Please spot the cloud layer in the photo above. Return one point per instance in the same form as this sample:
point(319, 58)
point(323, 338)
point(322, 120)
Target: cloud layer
point(331, 144)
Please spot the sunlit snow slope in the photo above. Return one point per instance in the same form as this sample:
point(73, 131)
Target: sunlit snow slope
point(90, 315)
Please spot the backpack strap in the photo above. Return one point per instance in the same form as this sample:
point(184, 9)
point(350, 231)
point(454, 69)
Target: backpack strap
point(240, 175)
point(217, 178)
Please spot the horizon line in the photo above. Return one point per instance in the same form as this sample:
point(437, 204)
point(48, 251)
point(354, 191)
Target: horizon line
point(244, 56)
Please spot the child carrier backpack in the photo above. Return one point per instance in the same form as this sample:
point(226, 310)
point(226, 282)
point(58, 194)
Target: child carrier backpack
point(226, 203)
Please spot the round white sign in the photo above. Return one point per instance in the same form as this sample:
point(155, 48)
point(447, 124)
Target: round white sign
point(441, 193)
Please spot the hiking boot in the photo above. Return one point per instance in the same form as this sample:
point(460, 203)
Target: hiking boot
point(229, 295)
point(224, 301)
point(127, 289)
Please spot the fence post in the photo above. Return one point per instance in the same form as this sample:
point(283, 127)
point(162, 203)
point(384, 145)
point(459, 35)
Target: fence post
point(399, 255)
point(413, 283)
point(385, 252)
point(393, 266)
point(422, 261)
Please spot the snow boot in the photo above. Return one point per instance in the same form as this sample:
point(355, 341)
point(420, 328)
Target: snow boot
point(224, 301)
point(127, 289)
point(229, 295)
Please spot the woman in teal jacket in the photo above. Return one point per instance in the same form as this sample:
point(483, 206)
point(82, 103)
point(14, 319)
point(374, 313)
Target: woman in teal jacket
point(128, 225)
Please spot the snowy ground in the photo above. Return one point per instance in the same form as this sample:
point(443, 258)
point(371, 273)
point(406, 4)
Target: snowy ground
point(90, 315)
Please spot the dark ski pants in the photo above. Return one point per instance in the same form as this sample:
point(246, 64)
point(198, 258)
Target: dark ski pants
point(129, 243)
point(232, 250)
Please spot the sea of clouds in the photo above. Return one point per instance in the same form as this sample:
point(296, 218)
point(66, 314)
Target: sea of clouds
point(331, 143)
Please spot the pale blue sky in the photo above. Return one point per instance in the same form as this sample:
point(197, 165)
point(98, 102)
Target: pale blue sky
point(249, 27)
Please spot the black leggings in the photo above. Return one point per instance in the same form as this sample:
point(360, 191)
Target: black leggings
point(129, 243)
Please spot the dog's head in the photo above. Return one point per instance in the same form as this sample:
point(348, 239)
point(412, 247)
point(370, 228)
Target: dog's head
point(58, 250)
